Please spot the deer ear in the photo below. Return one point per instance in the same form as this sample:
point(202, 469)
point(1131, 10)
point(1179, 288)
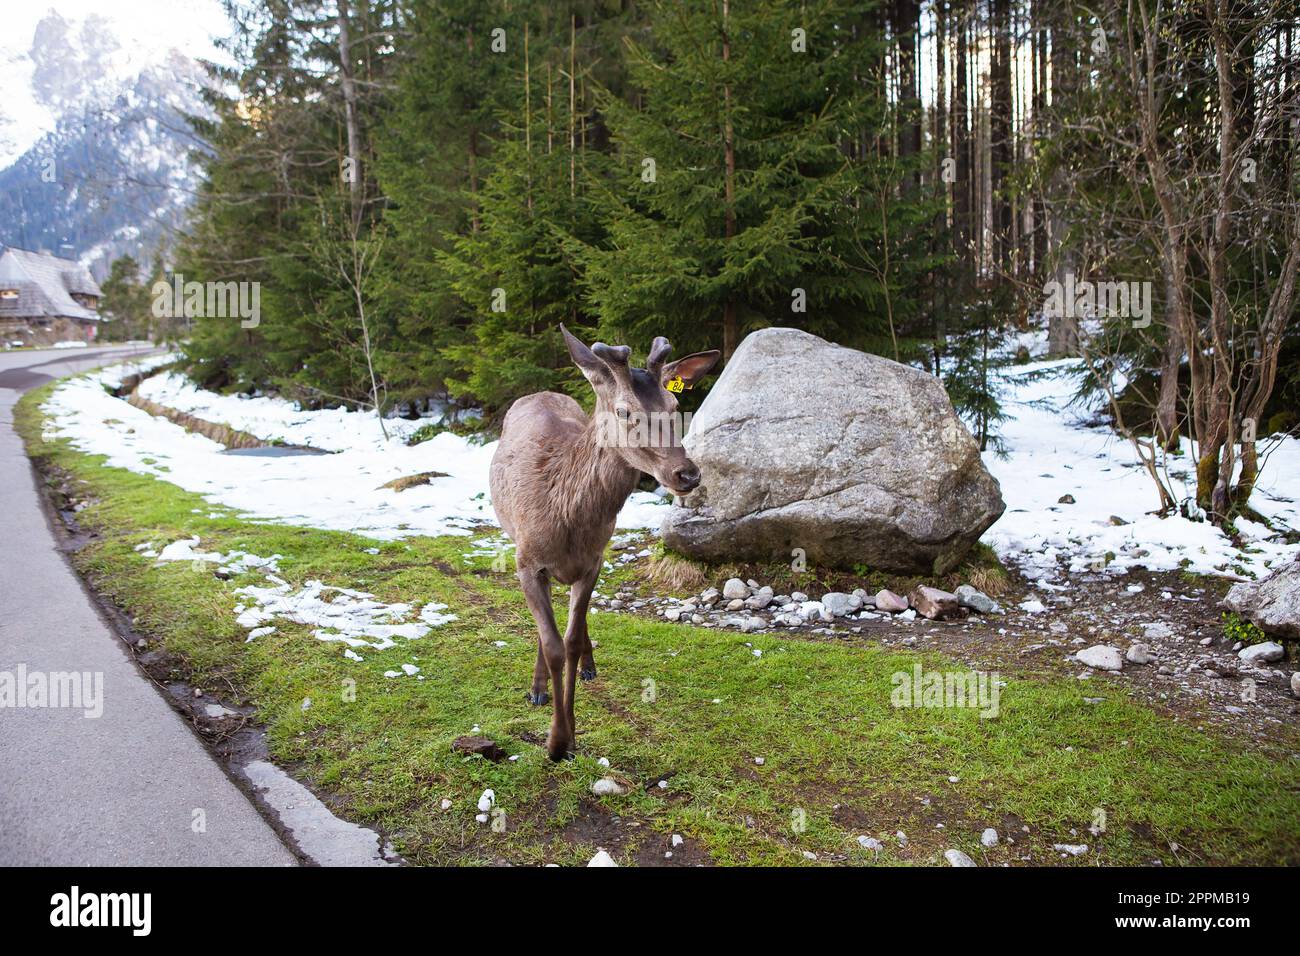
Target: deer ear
point(690, 368)
point(592, 367)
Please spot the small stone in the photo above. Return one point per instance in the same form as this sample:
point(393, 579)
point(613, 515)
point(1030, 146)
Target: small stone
point(1065, 500)
point(839, 604)
point(677, 839)
point(487, 800)
point(760, 760)
point(887, 600)
point(1117, 521)
point(1264, 653)
point(608, 786)
point(710, 596)
point(1157, 632)
point(798, 597)
point(1138, 654)
point(735, 589)
point(735, 605)
point(957, 858)
point(446, 804)
point(1295, 683)
point(934, 603)
point(870, 843)
point(976, 600)
point(1101, 657)
point(485, 747)
point(601, 859)
point(989, 838)
point(759, 599)
point(1071, 849)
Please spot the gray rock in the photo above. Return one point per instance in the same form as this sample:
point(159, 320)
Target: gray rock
point(1264, 653)
point(957, 858)
point(735, 588)
point(838, 603)
point(1272, 605)
point(759, 599)
point(1101, 657)
point(1138, 654)
point(813, 611)
point(989, 838)
point(887, 600)
point(1157, 632)
point(854, 458)
point(976, 600)
point(608, 786)
point(798, 597)
point(709, 597)
point(1295, 683)
point(735, 605)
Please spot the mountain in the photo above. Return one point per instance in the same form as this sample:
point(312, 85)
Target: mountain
point(117, 172)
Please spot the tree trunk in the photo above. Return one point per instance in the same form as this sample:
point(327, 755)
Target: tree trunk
point(350, 113)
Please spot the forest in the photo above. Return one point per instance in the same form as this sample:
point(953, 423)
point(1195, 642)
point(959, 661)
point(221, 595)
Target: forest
point(426, 189)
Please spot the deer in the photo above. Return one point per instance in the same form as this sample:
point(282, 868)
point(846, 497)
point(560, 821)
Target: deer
point(558, 480)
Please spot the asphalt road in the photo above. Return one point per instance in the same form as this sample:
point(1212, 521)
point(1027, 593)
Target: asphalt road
point(133, 785)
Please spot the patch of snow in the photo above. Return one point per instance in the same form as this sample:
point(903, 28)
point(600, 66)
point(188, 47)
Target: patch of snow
point(354, 618)
point(340, 491)
point(1051, 453)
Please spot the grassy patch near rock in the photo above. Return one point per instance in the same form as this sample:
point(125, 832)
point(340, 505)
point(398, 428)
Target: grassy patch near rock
point(781, 757)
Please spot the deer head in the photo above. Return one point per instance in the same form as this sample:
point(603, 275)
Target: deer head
point(636, 410)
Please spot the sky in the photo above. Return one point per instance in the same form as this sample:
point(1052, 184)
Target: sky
point(146, 30)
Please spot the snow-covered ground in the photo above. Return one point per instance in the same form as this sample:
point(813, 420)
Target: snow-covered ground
point(1050, 454)
point(340, 491)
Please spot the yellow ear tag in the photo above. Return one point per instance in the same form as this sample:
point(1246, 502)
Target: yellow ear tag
point(675, 384)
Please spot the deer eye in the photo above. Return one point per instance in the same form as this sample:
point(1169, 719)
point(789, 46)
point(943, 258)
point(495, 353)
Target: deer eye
point(622, 413)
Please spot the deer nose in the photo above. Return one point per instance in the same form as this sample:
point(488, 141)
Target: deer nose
point(686, 478)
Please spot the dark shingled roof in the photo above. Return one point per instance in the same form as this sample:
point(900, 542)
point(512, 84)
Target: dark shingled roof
point(45, 284)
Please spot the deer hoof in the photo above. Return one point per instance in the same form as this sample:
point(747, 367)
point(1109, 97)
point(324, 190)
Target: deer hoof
point(588, 673)
point(562, 754)
point(538, 699)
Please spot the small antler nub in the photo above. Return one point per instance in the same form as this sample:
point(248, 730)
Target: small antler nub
point(659, 351)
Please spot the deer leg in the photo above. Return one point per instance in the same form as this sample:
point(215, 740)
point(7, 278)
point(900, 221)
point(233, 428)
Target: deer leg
point(536, 584)
point(538, 695)
point(576, 642)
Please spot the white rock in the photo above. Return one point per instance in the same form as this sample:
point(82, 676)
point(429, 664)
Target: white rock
point(1138, 654)
point(798, 597)
point(838, 604)
point(1157, 632)
point(677, 839)
point(1072, 849)
point(989, 838)
point(870, 843)
point(446, 804)
point(957, 858)
point(608, 786)
point(1295, 683)
point(601, 859)
point(1101, 657)
point(487, 801)
point(1264, 653)
point(735, 589)
point(1033, 606)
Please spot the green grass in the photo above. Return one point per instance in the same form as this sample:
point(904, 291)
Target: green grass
point(839, 759)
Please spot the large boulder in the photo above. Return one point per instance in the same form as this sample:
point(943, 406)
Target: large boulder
point(851, 457)
point(1272, 605)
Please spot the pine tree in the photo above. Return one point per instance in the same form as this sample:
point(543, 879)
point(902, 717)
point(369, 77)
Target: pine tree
point(732, 201)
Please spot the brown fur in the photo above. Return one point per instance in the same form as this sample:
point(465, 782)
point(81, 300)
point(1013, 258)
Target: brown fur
point(557, 490)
